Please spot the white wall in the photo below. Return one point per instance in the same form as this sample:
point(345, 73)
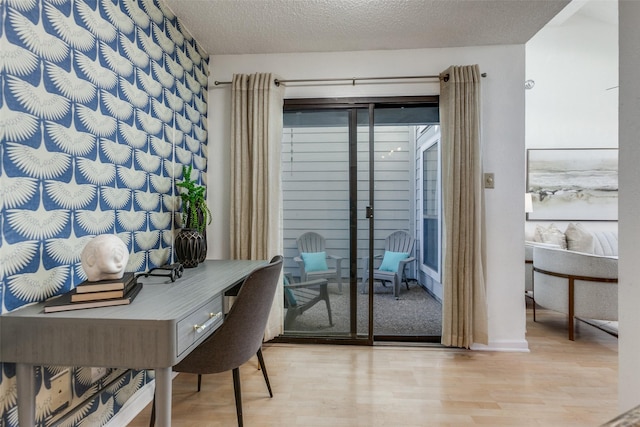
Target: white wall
point(503, 139)
point(572, 105)
point(573, 65)
point(629, 206)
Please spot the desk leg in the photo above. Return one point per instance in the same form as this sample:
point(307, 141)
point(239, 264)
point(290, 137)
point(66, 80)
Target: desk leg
point(25, 379)
point(163, 397)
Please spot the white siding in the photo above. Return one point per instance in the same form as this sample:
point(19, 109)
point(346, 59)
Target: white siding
point(315, 172)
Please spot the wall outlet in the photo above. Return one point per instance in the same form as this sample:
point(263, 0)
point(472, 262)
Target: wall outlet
point(97, 374)
point(60, 390)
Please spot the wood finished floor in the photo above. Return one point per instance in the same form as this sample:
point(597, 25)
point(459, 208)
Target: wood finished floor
point(558, 383)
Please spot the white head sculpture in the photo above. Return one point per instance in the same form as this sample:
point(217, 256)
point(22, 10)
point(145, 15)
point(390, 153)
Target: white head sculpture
point(104, 257)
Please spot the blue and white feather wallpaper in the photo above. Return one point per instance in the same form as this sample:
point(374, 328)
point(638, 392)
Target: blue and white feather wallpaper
point(101, 103)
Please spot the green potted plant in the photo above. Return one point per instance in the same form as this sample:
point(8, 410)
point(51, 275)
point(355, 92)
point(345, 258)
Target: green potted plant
point(191, 242)
point(195, 212)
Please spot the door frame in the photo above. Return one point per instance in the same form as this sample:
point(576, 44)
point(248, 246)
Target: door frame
point(353, 104)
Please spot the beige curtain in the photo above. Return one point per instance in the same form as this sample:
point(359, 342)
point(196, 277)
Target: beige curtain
point(464, 317)
point(256, 201)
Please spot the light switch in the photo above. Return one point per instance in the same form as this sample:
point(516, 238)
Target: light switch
point(489, 181)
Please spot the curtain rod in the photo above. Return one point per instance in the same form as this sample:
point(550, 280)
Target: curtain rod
point(350, 79)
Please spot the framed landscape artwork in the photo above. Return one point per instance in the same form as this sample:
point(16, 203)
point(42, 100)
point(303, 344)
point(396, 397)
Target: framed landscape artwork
point(573, 184)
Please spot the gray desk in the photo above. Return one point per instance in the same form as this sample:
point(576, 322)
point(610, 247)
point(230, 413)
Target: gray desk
point(164, 323)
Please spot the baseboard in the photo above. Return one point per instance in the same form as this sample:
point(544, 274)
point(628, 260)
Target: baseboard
point(507, 346)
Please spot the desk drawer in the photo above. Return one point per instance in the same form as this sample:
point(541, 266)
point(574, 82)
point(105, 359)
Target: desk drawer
point(199, 324)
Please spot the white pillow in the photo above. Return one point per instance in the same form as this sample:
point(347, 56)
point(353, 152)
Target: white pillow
point(551, 234)
point(579, 239)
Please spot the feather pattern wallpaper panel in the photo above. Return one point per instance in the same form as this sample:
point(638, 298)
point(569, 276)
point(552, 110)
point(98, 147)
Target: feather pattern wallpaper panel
point(101, 103)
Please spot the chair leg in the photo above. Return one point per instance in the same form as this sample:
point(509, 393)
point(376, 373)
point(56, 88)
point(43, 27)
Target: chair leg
point(199, 381)
point(290, 317)
point(152, 421)
point(324, 294)
point(533, 298)
point(237, 391)
point(329, 311)
point(264, 371)
point(364, 285)
point(396, 287)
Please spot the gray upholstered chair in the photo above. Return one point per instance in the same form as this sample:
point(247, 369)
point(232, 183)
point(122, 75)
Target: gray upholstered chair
point(300, 297)
point(313, 259)
point(240, 336)
point(398, 250)
point(578, 284)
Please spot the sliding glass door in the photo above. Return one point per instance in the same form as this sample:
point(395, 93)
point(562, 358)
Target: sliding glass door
point(320, 225)
point(349, 180)
point(406, 310)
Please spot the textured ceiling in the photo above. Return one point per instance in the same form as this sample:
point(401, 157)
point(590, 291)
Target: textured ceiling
point(283, 26)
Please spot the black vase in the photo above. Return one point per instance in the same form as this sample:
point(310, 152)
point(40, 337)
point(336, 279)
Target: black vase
point(190, 247)
point(203, 256)
point(201, 220)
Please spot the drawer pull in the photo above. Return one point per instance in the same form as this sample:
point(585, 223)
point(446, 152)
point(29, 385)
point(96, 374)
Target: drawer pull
point(212, 319)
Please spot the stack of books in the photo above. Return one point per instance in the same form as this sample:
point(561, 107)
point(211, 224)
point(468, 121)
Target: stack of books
point(101, 293)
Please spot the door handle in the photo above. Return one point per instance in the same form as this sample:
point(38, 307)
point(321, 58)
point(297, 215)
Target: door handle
point(369, 213)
